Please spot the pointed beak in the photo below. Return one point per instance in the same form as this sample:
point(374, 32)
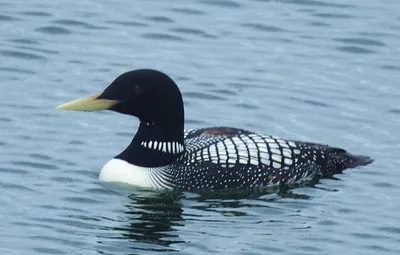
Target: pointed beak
point(90, 103)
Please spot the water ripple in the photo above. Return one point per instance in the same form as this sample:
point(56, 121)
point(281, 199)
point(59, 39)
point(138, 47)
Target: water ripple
point(35, 165)
point(319, 24)
point(15, 70)
point(40, 50)
point(390, 230)
point(25, 41)
point(222, 3)
point(188, 11)
point(161, 19)
point(21, 55)
point(263, 28)
point(333, 15)
point(128, 23)
point(81, 200)
point(163, 37)
point(76, 23)
point(362, 41)
point(8, 18)
point(54, 30)
point(224, 92)
point(355, 49)
point(247, 106)
point(192, 31)
point(15, 187)
point(319, 3)
point(37, 14)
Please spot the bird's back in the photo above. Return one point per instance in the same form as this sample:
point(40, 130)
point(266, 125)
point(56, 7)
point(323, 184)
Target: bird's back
point(222, 157)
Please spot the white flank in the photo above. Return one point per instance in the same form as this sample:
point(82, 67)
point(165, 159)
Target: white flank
point(117, 170)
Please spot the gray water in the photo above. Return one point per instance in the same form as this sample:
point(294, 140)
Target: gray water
point(312, 70)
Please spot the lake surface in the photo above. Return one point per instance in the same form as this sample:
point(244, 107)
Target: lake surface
point(312, 70)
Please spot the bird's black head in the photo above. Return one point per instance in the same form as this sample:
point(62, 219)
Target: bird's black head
point(148, 94)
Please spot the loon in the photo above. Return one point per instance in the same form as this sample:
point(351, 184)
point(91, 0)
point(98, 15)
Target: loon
point(162, 155)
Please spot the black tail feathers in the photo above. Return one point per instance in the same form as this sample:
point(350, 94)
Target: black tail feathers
point(357, 160)
point(339, 159)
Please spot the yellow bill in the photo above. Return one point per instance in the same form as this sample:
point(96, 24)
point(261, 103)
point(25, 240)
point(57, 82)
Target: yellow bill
point(90, 103)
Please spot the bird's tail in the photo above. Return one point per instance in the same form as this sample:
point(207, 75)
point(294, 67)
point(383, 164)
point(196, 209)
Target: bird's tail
point(339, 159)
point(357, 160)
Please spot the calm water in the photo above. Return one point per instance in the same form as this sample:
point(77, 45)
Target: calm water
point(303, 69)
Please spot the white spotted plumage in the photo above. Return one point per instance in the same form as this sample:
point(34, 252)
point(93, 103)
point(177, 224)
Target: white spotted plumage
point(221, 161)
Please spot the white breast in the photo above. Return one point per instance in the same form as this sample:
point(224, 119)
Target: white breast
point(117, 170)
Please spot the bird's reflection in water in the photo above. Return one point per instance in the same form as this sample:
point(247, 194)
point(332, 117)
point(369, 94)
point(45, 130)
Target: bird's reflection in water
point(152, 218)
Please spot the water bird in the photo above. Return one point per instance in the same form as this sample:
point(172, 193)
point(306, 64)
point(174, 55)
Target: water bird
point(164, 155)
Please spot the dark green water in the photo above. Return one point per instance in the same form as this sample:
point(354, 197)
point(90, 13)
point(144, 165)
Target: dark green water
point(318, 71)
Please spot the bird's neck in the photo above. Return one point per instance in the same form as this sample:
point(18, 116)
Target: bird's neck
point(155, 144)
